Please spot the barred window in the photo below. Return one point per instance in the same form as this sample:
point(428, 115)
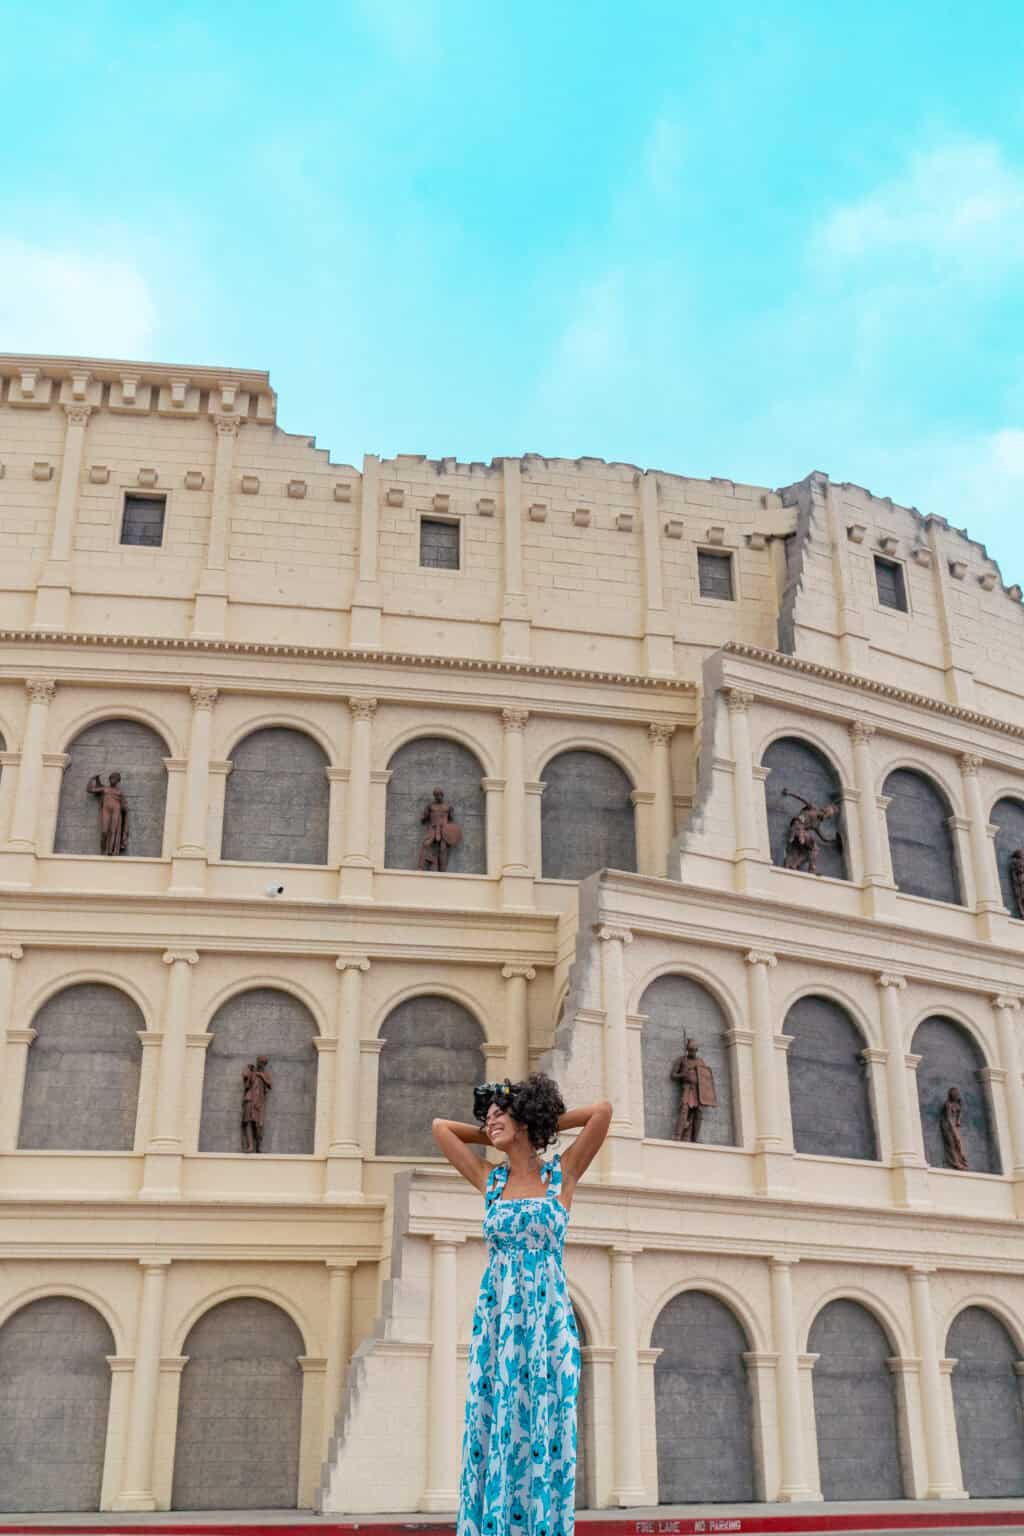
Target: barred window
point(143, 520)
point(439, 544)
point(715, 575)
point(892, 591)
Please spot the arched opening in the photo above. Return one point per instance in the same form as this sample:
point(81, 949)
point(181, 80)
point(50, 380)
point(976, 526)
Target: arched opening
point(677, 1008)
point(987, 1405)
point(261, 1022)
point(137, 753)
point(829, 1093)
point(416, 768)
point(276, 799)
point(702, 1402)
point(1008, 819)
point(54, 1405)
point(798, 767)
point(431, 1060)
point(920, 838)
point(586, 817)
point(239, 1410)
point(951, 1059)
point(82, 1077)
point(855, 1411)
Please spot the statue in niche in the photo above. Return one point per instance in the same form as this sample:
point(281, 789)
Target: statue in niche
point(256, 1084)
point(954, 1151)
point(113, 813)
point(804, 834)
point(697, 1093)
point(1017, 878)
point(442, 835)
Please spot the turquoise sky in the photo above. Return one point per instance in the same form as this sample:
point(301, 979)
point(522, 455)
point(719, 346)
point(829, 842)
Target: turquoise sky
point(740, 240)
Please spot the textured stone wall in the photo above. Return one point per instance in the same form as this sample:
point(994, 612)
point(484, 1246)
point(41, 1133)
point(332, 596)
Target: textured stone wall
point(675, 1007)
point(1008, 816)
point(920, 839)
point(987, 1405)
point(854, 1405)
point(137, 753)
point(276, 799)
point(415, 769)
point(82, 1081)
point(828, 1081)
point(431, 1060)
point(54, 1401)
point(264, 1022)
point(950, 1059)
point(796, 765)
point(702, 1404)
point(240, 1410)
point(587, 820)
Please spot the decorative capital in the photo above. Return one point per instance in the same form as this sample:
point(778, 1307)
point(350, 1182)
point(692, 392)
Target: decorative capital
point(227, 426)
point(861, 732)
point(203, 698)
point(658, 732)
point(739, 700)
point(970, 762)
point(363, 709)
point(352, 963)
point(514, 719)
point(889, 979)
point(41, 690)
point(182, 956)
point(1005, 1001)
point(527, 972)
point(78, 415)
point(11, 952)
point(762, 957)
point(609, 934)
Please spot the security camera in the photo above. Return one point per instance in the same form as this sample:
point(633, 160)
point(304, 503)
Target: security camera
point(275, 890)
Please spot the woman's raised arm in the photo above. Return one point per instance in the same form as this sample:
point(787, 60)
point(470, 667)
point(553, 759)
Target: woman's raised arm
point(594, 1120)
point(455, 1141)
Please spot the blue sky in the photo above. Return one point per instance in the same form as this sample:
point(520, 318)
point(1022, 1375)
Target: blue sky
point(741, 240)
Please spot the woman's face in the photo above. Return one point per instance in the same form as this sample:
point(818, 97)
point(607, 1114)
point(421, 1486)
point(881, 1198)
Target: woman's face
point(501, 1130)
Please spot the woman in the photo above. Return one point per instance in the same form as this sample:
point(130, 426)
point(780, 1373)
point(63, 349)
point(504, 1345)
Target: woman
point(519, 1446)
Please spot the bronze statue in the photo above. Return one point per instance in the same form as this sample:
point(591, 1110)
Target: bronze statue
point(953, 1147)
point(256, 1084)
point(804, 834)
point(698, 1092)
point(442, 833)
point(113, 813)
point(1017, 878)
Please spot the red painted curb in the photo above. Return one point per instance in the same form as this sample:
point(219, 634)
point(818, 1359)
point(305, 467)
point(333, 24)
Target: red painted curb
point(709, 1525)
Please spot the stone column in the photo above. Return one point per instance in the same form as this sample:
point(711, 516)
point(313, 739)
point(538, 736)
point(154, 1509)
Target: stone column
point(516, 882)
point(364, 624)
point(211, 608)
point(12, 1086)
point(659, 655)
point(53, 594)
point(515, 614)
point(773, 1163)
point(356, 865)
point(909, 1176)
point(10, 762)
point(443, 1454)
point(739, 701)
point(30, 771)
point(517, 1019)
point(344, 1154)
point(616, 1041)
point(941, 1483)
point(162, 1173)
point(137, 1477)
point(629, 1490)
point(659, 736)
point(1006, 1009)
point(339, 1333)
point(10, 954)
point(876, 872)
point(494, 790)
point(794, 1486)
point(988, 899)
point(188, 866)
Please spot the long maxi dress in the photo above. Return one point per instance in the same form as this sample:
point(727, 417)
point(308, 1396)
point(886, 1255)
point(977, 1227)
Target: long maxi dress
point(519, 1445)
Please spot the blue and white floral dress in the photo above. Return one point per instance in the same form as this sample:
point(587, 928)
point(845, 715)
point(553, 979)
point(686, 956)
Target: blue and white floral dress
point(519, 1446)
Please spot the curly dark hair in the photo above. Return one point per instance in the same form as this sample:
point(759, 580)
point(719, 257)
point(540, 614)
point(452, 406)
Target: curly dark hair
point(537, 1104)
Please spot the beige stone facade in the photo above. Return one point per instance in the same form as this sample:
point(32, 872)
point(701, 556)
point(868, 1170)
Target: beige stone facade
point(589, 614)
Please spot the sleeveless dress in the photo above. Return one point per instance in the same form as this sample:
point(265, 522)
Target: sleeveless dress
point(519, 1446)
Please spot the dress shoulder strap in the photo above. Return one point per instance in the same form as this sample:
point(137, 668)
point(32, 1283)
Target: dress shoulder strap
point(496, 1183)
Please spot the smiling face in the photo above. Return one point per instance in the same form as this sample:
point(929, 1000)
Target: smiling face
point(502, 1130)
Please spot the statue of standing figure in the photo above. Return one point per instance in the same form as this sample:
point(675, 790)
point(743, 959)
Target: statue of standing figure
point(804, 833)
point(442, 833)
point(256, 1084)
point(1017, 879)
point(954, 1151)
point(113, 813)
point(697, 1092)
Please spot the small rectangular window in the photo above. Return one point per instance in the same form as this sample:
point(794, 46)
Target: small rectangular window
point(143, 520)
point(439, 544)
point(715, 575)
point(892, 591)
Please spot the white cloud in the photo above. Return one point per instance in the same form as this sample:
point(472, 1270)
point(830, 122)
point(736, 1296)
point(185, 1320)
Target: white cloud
point(65, 301)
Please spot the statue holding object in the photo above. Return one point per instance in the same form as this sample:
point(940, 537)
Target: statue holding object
point(804, 834)
point(113, 813)
point(256, 1084)
point(697, 1092)
point(954, 1151)
point(443, 834)
point(1017, 879)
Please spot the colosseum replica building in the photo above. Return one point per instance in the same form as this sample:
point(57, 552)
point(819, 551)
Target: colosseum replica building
point(730, 764)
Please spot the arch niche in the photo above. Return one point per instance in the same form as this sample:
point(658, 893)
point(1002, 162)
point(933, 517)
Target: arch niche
point(415, 769)
point(796, 765)
point(263, 1021)
point(137, 753)
point(703, 1413)
point(987, 1405)
point(276, 799)
point(855, 1410)
point(920, 837)
point(1008, 819)
point(239, 1410)
point(586, 816)
point(675, 1007)
point(82, 1077)
point(431, 1060)
point(951, 1058)
point(54, 1405)
point(828, 1083)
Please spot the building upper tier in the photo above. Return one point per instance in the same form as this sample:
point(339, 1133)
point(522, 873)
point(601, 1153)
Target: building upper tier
point(140, 499)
